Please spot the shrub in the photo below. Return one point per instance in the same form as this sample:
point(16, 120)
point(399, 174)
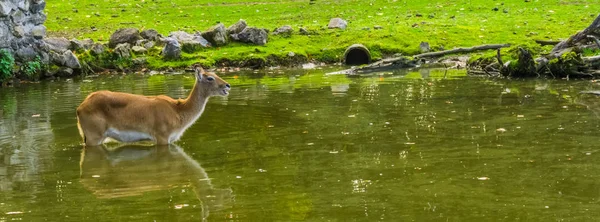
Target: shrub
point(32, 68)
point(7, 62)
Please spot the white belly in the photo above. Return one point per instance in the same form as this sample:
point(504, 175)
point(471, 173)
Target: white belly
point(127, 136)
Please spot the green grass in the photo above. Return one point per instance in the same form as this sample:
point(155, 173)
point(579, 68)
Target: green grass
point(443, 23)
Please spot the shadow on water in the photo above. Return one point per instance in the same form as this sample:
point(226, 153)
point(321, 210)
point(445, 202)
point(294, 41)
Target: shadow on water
point(132, 170)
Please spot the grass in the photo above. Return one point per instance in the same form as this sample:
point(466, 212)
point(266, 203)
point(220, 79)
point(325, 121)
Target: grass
point(445, 24)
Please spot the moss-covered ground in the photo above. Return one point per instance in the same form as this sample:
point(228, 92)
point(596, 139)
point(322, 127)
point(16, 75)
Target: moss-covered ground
point(445, 24)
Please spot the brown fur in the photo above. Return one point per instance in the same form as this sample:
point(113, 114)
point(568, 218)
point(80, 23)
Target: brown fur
point(157, 116)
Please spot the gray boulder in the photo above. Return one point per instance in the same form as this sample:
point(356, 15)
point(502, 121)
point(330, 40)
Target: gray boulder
point(64, 72)
point(189, 43)
point(37, 6)
point(172, 49)
point(5, 8)
point(70, 60)
point(26, 53)
point(237, 27)
point(217, 35)
point(337, 23)
point(126, 35)
point(38, 31)
point(58, 45)
point(87, 43)
point(150, 34)
point(251, 35)
point(122, 50)
point(283, 30)
point(76, 45)
point(97, 49)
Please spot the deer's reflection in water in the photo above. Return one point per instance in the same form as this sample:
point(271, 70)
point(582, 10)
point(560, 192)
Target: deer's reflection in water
point(132, 170)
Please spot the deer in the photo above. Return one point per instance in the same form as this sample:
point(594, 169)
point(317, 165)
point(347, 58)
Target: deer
point(128, 118)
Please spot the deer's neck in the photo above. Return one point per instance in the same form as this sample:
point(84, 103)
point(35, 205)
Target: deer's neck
point(193, 106)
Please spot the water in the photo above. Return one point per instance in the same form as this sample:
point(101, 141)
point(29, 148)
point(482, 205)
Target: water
point(301, 145)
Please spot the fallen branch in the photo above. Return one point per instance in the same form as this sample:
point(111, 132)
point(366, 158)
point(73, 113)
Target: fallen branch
point(461, 50)
point(547, 42)
point(595, 40)
point(591, 59)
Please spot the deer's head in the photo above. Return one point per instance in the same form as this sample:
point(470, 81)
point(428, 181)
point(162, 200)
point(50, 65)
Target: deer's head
point(212, 84)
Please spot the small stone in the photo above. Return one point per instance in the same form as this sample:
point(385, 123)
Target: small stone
point(97, 49)
point(337, 23)
point(424, 47)
point(122, 50)
point(19, 31)
point(377, 27)
point(284, 30)
point(291, 54)
point(139, 49)
point(148, 45)
point(75, 10)
point(303, 31)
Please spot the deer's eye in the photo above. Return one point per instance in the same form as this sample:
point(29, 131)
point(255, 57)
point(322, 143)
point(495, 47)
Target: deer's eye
point(210, 78)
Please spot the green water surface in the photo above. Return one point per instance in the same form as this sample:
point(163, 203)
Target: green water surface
point(291, 145)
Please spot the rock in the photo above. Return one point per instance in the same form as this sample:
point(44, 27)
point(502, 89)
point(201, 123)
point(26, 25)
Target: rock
point(26, 53)
point(285, 30)
point(19, 31)
point(140, 61)
point(303, 31)
point(23, 5)
point(139, 49)
point(148, 45)
point(424, 47)
point(150, 34)
point(97, 49)
point(337, 23)
point(5, 8)
point(87, 43)
point(126, 35)
point(190, 43)
point(59, 44)
point(237, 27)
point(38, 31)
point(38, 7)
point(251, 35)
point(64, 72)
point(70, 60)
point(76, 45)
point(377, 27)
point(217, 35)
point(172, 49)
point(122, 50)
point(291, 54)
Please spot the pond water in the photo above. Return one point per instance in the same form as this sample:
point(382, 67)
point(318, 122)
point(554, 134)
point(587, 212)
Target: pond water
point(301, 145)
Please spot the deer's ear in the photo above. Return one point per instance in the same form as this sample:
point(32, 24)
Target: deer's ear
point(199, 72)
